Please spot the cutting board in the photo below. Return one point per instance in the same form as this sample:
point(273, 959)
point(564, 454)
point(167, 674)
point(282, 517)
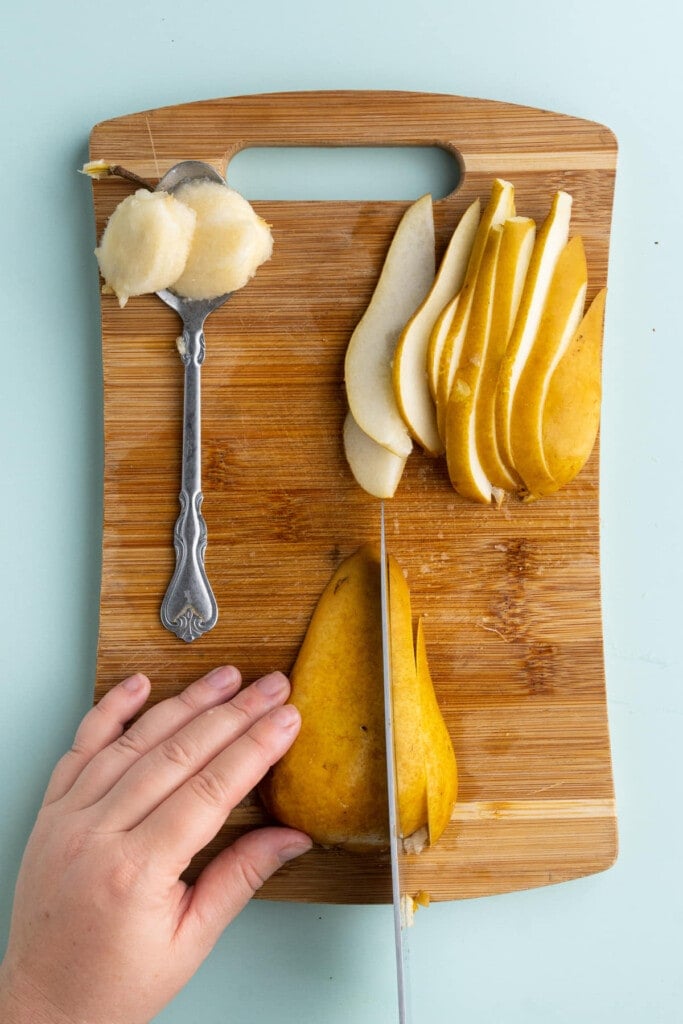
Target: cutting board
point(510, 595)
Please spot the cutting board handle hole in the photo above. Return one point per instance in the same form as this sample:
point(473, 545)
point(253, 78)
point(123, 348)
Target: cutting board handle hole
point(344, 172)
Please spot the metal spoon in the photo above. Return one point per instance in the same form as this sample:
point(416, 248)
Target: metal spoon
point(189, 608)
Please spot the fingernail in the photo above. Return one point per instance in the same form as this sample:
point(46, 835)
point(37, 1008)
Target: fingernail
point(294, 849)
point(285, 717)
point(272, 684)
point(134, 683)
point(222, 678)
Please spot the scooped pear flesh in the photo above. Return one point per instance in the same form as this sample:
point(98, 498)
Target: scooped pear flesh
point(145, 244)
point(332, 781)
point(500, 206)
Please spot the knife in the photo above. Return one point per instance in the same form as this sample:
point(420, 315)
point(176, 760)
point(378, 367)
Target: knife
point(400, 938)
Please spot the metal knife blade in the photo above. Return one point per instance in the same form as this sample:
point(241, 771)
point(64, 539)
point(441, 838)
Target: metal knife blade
point(392, 792)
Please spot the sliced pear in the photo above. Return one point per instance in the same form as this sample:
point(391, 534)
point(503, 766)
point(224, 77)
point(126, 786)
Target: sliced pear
point(405, 280)
point(561, 317)
point(331, 783)
point(441, 766)
point(513, 262)
point(499, 207)
point(437, 340)
point(411, 385)
point(571, 415)
point(377, 470)
point(550, 242)
point(464, 468)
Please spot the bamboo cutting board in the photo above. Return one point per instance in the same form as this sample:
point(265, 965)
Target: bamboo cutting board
point(511, 596)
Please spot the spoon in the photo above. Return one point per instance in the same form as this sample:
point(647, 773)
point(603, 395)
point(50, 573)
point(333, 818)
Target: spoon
point(189, 608)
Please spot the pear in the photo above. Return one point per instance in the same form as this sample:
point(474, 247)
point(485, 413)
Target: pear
point(332, 781)
point(230, 241)
point(437, 341)
point(377, 470)
point(513, 262)
point(464, 467)
point(499, 207)
point(440, 764)
point(560, 320)
point(405, 280)
point(145, 244)
point(571, 414)
point(411, 384)
point(550, 241)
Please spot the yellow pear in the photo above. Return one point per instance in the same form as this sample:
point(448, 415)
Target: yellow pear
point(441, 766)
point(332, 781)
point(559, 322)
point(377, 470)
point(411, 385)
point(513, 262)
point(571, 414)
point(499, 207)
point(550, 242)
point(437, 340)
point(464, 468)
point(406, 277)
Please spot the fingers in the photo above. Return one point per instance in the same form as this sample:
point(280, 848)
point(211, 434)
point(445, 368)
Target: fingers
point(227, 884)
point(103, 724)
point(161, 721)
point(172, 762)
point(206, 799)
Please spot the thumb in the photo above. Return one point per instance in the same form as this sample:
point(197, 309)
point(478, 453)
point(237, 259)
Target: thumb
point(227, 884)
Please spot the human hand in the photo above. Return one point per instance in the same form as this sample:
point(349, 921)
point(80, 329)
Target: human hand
point(103, 930)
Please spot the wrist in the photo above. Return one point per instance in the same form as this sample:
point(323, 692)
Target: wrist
point(22, 1003)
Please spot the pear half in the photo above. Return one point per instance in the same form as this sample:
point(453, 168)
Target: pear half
point(406, 277)
point(411, 384)
point(561, 317)
point(332, 781)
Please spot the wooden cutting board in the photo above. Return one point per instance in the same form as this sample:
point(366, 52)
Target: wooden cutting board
point(510, 595)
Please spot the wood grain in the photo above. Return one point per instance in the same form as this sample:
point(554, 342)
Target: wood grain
point(511, 596)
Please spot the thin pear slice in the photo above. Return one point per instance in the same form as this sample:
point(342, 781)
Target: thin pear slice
point(464, 468)
point(411, 385)
point(405, 280)
point(513, 262)
point(571, 415)
point(377, 470)
point(550, 242)
point(437, 340)
point(499, 207)
point(440, 762)
point(561, 318)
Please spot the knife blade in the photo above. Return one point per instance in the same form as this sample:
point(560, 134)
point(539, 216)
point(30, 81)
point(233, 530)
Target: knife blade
point(400, 938)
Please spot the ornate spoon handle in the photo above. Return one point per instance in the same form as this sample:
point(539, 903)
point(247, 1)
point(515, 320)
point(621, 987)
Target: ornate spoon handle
point(189, 608)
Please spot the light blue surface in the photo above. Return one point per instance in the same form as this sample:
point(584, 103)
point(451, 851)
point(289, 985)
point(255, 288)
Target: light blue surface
point(604, 950)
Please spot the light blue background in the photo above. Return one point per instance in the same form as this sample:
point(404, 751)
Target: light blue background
point(601, 950)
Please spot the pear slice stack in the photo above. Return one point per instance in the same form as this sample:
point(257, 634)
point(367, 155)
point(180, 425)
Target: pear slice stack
point(508, 382)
